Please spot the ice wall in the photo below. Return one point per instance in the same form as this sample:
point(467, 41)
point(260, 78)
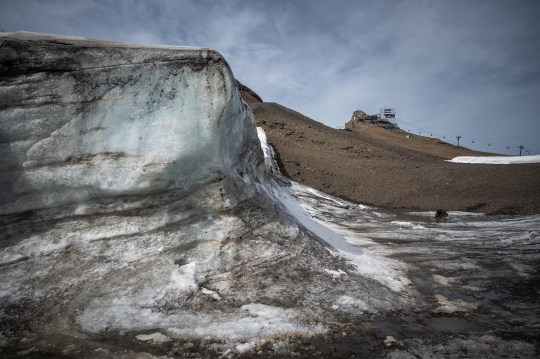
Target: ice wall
point(134, 197)
point(83, 119)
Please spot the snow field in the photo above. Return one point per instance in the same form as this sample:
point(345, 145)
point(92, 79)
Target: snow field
point(496, 160)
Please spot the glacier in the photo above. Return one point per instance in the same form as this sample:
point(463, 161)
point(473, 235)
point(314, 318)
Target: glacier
point(134, 184)
point(112, 120)
point(142, 214)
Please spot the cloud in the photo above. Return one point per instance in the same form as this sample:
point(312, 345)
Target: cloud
point(459, 67)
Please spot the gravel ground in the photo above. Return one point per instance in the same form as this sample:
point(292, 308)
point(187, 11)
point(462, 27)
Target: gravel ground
point(370, 168)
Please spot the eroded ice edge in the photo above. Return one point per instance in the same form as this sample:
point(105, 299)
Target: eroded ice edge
point(306, 205)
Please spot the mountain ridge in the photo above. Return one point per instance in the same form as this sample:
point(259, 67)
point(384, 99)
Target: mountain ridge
point(374, 167)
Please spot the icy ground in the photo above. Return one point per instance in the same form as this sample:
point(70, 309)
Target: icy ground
point(468, 285)
point(477, 277)
point(472, 281)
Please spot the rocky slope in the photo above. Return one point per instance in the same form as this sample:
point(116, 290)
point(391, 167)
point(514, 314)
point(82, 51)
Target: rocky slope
point(375, 167)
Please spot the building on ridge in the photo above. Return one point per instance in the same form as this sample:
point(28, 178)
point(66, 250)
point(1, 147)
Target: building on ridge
point(388, 115)
point(360, 118)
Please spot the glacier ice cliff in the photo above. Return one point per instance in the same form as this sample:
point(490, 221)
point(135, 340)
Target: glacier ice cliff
point(135, 197)
point(84, 120)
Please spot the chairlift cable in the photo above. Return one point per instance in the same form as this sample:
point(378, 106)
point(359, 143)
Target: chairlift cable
point(420, 130)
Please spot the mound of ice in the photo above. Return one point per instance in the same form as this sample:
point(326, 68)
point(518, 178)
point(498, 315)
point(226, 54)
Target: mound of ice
point(114, 120)
point(135, 197)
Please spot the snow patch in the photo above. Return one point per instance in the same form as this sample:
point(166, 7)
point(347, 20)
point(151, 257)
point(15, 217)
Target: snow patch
point(348, 301)
point(251, 320)
point(269, 155)
point(250, 345)
point(408, 224)
point(157, 338)
point(136, 305)
point(336, 274)
point(211, 293)
point(389, 341)
point(496, 160)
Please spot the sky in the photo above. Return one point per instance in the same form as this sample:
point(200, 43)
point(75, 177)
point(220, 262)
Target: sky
point(460, 67)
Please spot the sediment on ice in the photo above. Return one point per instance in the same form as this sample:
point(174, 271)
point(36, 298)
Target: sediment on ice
point(135, 197)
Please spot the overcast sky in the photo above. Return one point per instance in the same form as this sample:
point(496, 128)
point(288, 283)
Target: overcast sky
point(469, 68)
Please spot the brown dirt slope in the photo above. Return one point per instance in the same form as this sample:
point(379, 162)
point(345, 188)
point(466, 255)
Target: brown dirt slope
point(378, 168)
point(431, 145)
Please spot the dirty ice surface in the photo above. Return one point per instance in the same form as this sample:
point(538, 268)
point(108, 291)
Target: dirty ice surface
point(305, 203)
point(374, 233)
point(368, 236)
point(496, 160)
